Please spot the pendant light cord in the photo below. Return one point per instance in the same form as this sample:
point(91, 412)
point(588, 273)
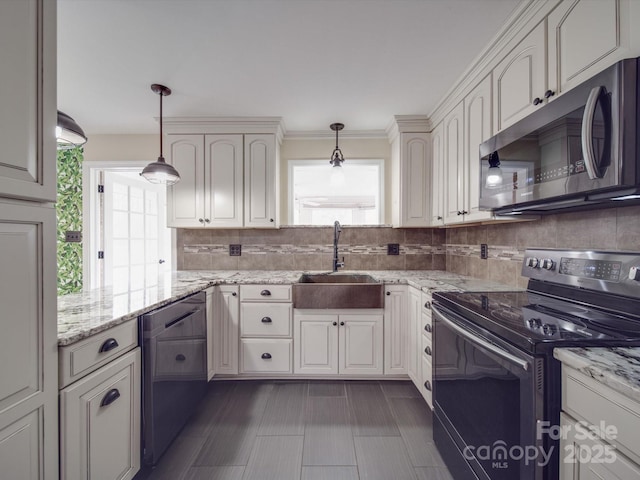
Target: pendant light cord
point(161, 155)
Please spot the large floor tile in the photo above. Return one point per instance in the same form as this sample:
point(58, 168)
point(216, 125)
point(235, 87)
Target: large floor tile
point(328, 439)
point(275, 458)
point(284, 414)
point(383, 458)
point(433, 473)
point(322, 388)
point(215, 473)
point(399, 388)
point(370, 413)
point(330, 473)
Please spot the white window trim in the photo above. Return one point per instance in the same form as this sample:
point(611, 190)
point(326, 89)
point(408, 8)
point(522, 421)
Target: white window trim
point(362, 161)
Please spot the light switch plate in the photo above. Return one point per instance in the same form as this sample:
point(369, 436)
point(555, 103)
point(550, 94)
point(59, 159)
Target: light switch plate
point(484, 251)
point(235, 250)
point(73, 236)
point(393, 249)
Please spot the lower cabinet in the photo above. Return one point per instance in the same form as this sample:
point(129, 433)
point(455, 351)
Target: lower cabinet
point(338, 342)
point(226, 325)
point(100, 422)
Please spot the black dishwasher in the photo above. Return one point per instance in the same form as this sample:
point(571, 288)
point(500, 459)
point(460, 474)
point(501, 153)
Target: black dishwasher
point(174, 371)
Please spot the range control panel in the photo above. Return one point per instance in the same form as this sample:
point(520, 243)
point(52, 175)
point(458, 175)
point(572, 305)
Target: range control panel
point(614, 272)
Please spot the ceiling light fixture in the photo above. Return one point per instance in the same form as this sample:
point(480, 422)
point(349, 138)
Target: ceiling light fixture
point(160, 171)
point(494, 175)
point(68, 133)
point(337, 173)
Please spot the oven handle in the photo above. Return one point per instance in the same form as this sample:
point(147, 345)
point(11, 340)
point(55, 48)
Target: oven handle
point(587, 133)
point(480, 341)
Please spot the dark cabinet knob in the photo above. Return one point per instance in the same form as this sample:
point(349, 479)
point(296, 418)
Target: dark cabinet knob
point(342, 323)
point(464, 212)
point(388, 294)
point(427, 305)
point(201, 220)
point(207, 220)
point(459, 212)
point(234, 294)
point(549, 94)
point(537, 101)
point(109, 344)
point(427, 385)
point(438, 217)
point(266, 320)
point(428, 351)
point(427, 328)
point(110, 397)
point(265, 293)
point(335, 323)
point(266, 356)
point(180, 358)
point(271, 220)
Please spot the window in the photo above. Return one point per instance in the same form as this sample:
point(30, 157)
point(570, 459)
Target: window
point(318, 196)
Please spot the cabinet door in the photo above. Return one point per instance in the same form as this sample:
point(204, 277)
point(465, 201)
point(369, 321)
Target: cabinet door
point(226, 327)
point(414, 187)
point(396, 330)
point(28, 113)
point(437, 176)
point(260, 176)
point(28, 370)
point(315, 343)
point(100, 422)
point(414, 335)
point(453, 160)
point(185, 199)
point(576, 51)
point(519, 79)
point(360, 344)
point(223, 180)
point(211, 368)
point(477, 123)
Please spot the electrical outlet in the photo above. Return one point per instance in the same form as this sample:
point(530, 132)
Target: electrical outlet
point(235, 250)
point(74, 236)
point(484, 251)
point(393, 249)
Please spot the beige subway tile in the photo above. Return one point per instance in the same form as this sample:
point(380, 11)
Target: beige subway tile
point(278, 261)
point(457, 236)
point(197, 261)
point(355, 261)
point(502, 234)
point(418, 236)
point(221, 261)
point(457, 264)
point(191, 236)
point(478, 268)
point(391, 262)
point(504, 271)
point(419, 262)
point(628, 228)
point(439, 262)
point(477, 235)
point(308, 261)
point(537, 233)
point(439, 236)
point(225, 236)
point(390, 235)
point(253, 261)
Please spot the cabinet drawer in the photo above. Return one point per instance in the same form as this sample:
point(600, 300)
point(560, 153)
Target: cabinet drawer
point(426, 303)
point(427, 324)
point(585, 399)
point(265, 293)
point(427, 347)
point(265, 356)
point(87, 355)
point(265, 319)
point(426, 387)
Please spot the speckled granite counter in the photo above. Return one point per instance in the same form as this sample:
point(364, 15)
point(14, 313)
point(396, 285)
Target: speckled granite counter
point(84, 314)
point(618, 368)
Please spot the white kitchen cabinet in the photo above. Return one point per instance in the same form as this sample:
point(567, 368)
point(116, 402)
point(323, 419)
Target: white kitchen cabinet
point(227, 181)
point(520, 80)
point(226, 327)
point(453, 136)
point(348, 342)
point(100, 422)
point(413, 364)
point(438, 172)
point(211, 348)
point(396, 330)
point(586, 36)
point(410, 161)
point(426, 328)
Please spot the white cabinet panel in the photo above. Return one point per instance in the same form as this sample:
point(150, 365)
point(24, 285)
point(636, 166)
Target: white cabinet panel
point(20, 444)
point(396, 330)
point(265, 355)
point(411, 154)
point(211, 347)
point(415, 314)
point(360, 344)
point(226, 327)
point(453, 162)
point(265, 319)
point(100, 422)
point(260, 170)
point(438, 165)
point(223, 180)
point(315, 342)
point(185, 199)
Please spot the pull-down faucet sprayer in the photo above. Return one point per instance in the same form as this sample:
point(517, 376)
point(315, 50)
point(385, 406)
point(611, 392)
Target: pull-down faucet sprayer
point(336, 236)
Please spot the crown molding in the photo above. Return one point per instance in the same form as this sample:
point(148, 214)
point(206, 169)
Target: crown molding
point(324, 135)
point(204, 125)
point(407, 124)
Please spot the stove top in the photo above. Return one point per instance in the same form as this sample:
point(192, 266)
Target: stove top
point(537, 322)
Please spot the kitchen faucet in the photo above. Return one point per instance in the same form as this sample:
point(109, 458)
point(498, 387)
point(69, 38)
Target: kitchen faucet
point(336, 235)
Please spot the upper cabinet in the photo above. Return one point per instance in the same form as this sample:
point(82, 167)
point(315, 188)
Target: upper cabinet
point(453, 162)
point(228, 180)
point(585, 37)
point(28, 113)
point(410, 167)
point(437, 176)
point(519, 80)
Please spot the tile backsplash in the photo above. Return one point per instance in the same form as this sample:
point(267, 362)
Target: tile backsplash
point(608, 229)
point(311, 248)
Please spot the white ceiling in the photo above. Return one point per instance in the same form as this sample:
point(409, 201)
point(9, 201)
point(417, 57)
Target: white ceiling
point(312, 62)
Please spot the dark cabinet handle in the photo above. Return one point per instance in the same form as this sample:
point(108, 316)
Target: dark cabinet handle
point(428, 351)
point(180, 357)
point(271, 220)
point(459, 212)
point(388, 293)
point(427, 385)
point(335, 323)
point(266, 356)
point(110, 397)
point(265, 293)
point(464, 212)
point(109, 344)
point(266, 320)
point(549, 93)
point(234, 294)
point(438, 217)
point(207, 220)
point(427, 305)
point(427, 327)
point(342, 323)
point(201, 220)
point(537, 101)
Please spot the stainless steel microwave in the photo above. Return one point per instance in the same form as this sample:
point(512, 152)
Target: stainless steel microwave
point(579, 151)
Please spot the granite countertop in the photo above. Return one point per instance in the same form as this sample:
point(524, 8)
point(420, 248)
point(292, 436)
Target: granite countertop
point(616, 367)
point(84, 314)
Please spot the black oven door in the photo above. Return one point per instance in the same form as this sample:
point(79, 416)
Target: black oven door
point(487, 402)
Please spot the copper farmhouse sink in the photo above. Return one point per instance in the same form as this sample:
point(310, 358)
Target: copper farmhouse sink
point(338, 290)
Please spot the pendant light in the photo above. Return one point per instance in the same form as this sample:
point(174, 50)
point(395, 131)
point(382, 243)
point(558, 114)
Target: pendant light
point(160, 171)
point(337, 173)
point(494, 174)
point(68, 133)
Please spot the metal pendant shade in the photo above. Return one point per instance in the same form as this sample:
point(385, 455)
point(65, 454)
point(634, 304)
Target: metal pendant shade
point(336, 157)
point(160, 171)
point(68, 133)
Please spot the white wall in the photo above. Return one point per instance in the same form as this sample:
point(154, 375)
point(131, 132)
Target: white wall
point(122, 147)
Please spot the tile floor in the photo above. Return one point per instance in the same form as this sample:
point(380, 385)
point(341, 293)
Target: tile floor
point(306, 430)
